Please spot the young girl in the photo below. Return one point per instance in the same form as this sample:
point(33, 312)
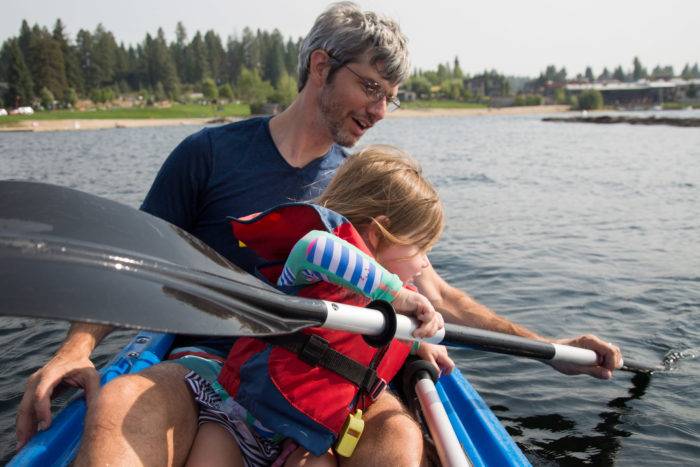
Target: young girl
point(366, 238)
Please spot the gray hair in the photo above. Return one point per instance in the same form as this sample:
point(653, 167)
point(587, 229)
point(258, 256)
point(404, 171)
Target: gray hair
point(346, 32)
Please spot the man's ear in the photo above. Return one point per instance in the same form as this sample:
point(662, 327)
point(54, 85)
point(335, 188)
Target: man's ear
point(319, 66)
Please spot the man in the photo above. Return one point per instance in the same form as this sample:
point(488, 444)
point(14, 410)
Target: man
point(351, 64)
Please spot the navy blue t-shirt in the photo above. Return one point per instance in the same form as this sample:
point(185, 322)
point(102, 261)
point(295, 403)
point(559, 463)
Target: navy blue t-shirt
point(232, 170)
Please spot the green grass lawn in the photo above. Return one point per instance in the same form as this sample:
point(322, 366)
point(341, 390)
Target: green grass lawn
point(176, 111)
point(439, 104)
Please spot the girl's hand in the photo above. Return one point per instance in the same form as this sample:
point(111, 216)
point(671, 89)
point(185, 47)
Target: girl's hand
point(408, 302)
point(437, 355)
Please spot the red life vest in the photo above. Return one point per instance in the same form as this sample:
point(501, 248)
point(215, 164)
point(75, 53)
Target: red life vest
point(288, 396)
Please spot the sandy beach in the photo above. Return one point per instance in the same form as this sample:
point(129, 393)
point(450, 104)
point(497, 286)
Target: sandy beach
point(97, 124)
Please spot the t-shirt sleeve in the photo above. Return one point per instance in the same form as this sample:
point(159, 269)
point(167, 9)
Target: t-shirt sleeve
point(321, 256)
point(180, 182)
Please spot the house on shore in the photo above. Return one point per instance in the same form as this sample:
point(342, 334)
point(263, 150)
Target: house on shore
point(642, 93)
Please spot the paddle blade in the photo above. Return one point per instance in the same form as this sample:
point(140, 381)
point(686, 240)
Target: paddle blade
point(69, 255)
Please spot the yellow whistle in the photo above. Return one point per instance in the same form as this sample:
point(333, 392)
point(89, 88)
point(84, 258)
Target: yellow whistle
point(350, 434)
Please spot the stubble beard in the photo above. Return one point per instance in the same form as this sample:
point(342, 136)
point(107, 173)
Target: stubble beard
point(333, 117)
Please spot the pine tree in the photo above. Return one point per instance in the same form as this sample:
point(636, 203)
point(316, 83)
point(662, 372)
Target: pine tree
point(619, 74)
point(638, 71)
point(46, 63)
point(160, 66)
point(16, 73)
point(74, 76)
point(196, 63)
point(215, 55)
point(291, 57)
point(589, 74)
point(25, 38)
point(234, 60)
point(104, 56)
point(178, 50)
point(273, 66)
point(457, 70)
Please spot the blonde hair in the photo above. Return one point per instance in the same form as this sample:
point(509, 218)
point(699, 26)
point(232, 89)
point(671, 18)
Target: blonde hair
point(382, 180)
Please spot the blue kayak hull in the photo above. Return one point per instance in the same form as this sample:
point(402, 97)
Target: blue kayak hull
point(482, 436)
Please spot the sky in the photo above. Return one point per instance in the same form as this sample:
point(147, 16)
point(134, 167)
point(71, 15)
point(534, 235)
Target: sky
point(515, 37)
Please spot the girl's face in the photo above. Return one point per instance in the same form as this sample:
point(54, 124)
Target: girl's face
point(406, 261)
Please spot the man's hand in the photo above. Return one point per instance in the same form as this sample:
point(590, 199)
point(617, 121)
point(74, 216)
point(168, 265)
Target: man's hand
point(35, 409)
point(72, 366)
point(609, 357)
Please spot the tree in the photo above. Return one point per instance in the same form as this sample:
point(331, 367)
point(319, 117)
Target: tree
point(291, 56)
point(662, 72)
point(638, 71)
point(590, 100)
point(48, 69)
point(70, 98)
point(420, 85)
point(178, 50)
point(443, 72)
point(226, 91)
point(104, 48)
point(74, 76)
point(46, 98)
point(196, 62)
point(605, 75)
point(457, 70)
point(209, 89)
point(234, 59)
point(618, 74)
point(589, 74)
point(560, 96)
point(15, 72)
point(273, 60)
point(286, 90)
point(215, 55)
point(160, 67)
point(251, 88)
point(25, 38)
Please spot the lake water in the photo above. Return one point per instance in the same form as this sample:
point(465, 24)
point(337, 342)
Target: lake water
point(565, 228)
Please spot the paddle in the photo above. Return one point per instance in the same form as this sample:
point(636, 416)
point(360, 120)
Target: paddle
point(69, 255)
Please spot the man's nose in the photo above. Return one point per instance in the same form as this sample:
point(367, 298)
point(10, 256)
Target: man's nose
point(377, 110)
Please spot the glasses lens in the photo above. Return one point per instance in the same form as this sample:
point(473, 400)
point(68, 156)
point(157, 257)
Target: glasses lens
point(392, 104)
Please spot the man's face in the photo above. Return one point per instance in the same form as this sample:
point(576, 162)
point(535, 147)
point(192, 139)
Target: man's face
point(345, 107)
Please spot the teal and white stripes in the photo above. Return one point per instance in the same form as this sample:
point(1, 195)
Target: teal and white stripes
point(325, 257)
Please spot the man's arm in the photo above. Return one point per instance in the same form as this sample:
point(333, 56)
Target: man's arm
point(70, 365)
point(459, 308)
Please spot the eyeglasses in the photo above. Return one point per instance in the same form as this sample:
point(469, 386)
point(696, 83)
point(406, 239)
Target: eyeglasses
point(375, 92)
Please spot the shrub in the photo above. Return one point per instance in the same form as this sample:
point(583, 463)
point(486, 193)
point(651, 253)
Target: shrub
point(590, 100)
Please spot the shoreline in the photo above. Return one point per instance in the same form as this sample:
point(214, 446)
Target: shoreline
point(100, 124)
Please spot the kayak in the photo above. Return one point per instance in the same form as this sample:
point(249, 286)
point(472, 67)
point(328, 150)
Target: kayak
point(481, 436)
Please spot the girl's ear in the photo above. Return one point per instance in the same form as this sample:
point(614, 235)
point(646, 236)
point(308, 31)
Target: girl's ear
point(374, 233)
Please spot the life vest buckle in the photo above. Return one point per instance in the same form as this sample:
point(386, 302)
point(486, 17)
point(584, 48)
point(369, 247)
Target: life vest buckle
point(313, 350)
point(377, 388)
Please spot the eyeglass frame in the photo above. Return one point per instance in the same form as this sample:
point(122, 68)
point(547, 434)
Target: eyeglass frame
point(373, 90)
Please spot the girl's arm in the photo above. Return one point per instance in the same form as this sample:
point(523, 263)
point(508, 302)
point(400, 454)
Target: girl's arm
point(321, 256)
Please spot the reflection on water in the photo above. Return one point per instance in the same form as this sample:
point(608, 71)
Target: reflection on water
point(564, 228)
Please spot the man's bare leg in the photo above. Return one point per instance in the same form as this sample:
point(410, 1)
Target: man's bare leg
point(391, 436)
point(149, 418)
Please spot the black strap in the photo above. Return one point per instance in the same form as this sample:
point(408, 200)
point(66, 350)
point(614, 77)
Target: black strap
point(316, 351)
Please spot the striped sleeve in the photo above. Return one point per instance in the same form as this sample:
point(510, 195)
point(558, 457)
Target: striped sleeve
point(321, 256)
